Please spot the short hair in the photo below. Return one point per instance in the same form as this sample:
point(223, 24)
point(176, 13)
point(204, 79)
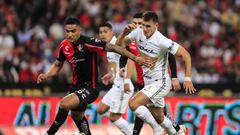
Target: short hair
point(138, 15)
point(150, 15)
point(106, 24)
point(71, 20)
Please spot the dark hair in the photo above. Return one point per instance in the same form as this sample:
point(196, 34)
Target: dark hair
point(138, 15)
point(149, 15)
point(106, 24)
point(71, 20)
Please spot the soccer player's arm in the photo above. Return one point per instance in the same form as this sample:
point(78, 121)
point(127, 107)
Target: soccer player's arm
point(123, 34)
point(54, 69)
point(183, 53)
point(127, 80)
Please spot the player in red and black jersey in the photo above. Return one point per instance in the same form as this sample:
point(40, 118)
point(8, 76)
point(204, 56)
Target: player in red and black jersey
point(81, 53)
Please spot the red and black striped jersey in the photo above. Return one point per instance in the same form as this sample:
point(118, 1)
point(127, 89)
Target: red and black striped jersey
point(82, 56)
point(134, 50)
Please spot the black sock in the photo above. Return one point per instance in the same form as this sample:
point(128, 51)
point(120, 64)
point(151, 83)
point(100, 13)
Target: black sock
point(138, 124)
point(83, 126)
point(59, 120)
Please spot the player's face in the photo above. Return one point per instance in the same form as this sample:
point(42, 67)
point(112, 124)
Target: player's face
point(105, 34)
point(72, 32)
point(137, 22)
point(149, 27)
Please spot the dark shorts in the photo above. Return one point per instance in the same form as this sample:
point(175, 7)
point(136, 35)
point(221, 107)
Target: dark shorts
point(139, 86)
point(86, 95)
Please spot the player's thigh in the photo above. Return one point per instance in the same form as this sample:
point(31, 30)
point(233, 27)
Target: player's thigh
point(137, 100)
point(107, 98)
point(102, 108)
point(86, 95)
point(71, 101)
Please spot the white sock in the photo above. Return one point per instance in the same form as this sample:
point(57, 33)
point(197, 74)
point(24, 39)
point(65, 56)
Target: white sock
point(123, 126)
point(106, 114)
point(143, 113)
point(167, 124)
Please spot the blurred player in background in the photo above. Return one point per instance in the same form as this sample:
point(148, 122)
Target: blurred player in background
point(81, 53)
point(115, 102)
point(153, 44)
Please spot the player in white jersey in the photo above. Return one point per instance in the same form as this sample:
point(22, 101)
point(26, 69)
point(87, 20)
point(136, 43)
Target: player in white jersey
point(115, 102)
point(152, 44)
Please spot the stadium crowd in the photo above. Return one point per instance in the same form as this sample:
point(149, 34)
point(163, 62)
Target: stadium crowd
point(31, 30)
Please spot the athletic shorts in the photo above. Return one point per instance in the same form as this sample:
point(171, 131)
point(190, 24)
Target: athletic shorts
point(86, 95)
point(156, 91)
point(116, 99)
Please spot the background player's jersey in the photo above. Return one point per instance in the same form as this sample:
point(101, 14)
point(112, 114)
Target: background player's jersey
point(157, 48)
point(82, 56)
point(134, 49)
point(113, 60)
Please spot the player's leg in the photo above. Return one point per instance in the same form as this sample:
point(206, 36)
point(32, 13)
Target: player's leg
point(138, 123)
point(179, 128)
point(104, 105)
point(85, 96)
point(122, 124)
point(160, 89)
point(137, 104)
point(118, 107)
point(59, 120)
point(103, 110)
point(81, 121)
point(70, 101)
point(158, 114)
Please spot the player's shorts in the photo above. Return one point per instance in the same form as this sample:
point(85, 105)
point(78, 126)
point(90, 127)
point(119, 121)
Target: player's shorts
point(116, 99)
point(86, 95)
point(156, 91)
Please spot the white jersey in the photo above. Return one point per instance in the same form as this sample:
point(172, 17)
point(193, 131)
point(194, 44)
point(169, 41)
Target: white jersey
point(157, 47)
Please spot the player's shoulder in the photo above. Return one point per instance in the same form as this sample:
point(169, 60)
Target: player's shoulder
point(64, 43)
point(158, 36)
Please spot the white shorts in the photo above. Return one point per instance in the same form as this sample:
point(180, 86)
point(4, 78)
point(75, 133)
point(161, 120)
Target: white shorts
point(116, 99)
point(156, 91)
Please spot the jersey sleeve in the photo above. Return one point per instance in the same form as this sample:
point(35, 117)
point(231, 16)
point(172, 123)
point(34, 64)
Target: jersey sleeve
point(169, 44)
point(60, 55)
point(133, 34)
point(94, 43)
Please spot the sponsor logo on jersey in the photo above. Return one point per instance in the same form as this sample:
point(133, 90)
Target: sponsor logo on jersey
point(141, 40)
point(147, 50)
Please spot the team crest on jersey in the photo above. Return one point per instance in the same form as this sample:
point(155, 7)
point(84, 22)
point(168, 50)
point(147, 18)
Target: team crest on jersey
point(80, 47)
point(67, 48)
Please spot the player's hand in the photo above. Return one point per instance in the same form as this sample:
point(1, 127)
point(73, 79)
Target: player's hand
point(129, 28)
point(126, 86)
point(175, 84)
point(122, 72)
point(189, 88)
point(107, 78)
point(41, 78)
point(145, 61)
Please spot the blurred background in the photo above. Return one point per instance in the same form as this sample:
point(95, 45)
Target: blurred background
point(30, 32)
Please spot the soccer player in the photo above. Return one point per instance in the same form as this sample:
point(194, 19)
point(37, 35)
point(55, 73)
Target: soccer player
point(154, 45)
point(80, 52)
point(138, 123)
point(115, 102)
